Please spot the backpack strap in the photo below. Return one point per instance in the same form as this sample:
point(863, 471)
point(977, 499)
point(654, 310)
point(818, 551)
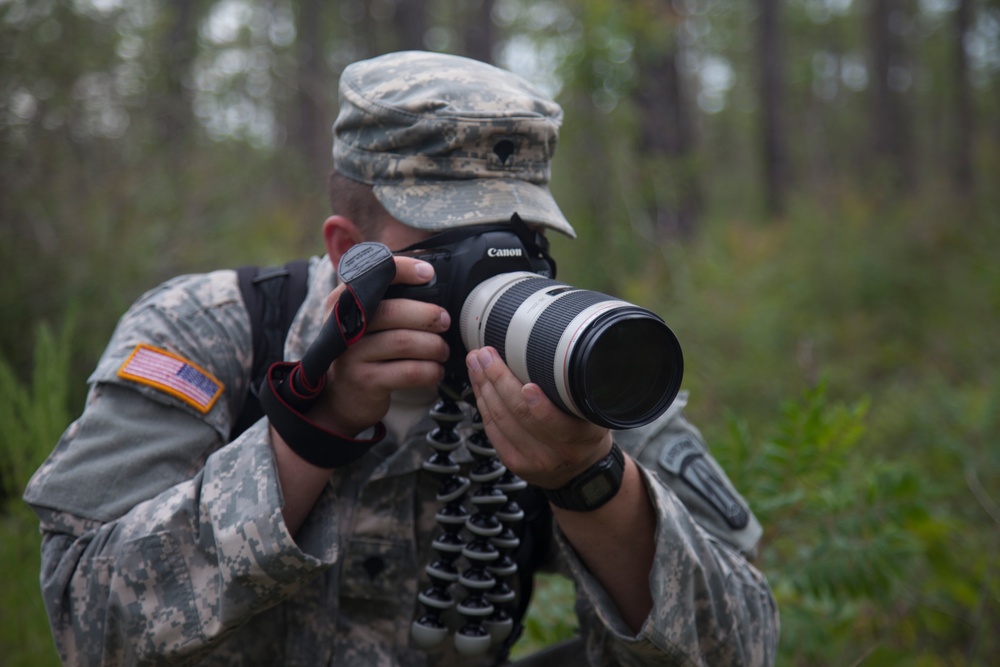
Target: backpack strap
point(272, 296)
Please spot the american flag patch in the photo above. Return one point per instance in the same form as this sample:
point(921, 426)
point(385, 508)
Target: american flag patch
point(172, 374)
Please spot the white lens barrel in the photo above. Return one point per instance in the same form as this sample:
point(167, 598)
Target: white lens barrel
point(480, 302)
point(527, 297)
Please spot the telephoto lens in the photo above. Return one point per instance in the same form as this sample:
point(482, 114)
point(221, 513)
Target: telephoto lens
point(595, 356)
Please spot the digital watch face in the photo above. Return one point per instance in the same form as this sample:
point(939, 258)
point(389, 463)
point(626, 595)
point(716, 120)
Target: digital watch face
point(595, 489)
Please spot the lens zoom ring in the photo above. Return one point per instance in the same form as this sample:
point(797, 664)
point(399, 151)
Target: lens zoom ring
point(498, 320)
point(547, 332)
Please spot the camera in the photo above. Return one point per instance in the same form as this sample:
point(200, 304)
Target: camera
point(595, 356)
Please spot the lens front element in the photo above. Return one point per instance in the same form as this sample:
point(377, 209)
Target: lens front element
point(627, 367)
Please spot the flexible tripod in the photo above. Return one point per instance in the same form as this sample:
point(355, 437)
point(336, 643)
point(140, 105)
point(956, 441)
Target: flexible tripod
point(481, 563)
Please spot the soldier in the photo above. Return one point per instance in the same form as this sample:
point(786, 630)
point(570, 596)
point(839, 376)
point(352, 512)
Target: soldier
point(166, 541)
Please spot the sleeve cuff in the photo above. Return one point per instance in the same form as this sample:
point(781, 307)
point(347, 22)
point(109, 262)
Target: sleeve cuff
point(242, 499)
point(593, 593)
point(658, 635)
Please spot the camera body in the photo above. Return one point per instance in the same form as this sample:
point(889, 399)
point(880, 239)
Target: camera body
point(463, 258)
point(595, 356)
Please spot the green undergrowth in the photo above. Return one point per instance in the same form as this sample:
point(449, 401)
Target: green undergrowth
point(841, 364)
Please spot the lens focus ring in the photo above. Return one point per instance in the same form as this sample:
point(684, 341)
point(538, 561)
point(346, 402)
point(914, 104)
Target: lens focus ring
point(503, 310)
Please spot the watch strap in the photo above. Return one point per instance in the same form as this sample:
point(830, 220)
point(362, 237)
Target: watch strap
point(594, 487)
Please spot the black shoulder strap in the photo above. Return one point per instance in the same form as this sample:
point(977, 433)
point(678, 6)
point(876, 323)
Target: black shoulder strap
point(272, 296)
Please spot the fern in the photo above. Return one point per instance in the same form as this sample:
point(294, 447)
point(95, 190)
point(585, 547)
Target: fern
point(32, 416)
point(841, 524)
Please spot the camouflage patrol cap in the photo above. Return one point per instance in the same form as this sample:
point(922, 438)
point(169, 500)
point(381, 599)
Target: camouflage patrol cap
point(447, 141)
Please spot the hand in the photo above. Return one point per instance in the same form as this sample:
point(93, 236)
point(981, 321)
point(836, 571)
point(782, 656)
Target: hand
point(535, 439)
point(402, 348)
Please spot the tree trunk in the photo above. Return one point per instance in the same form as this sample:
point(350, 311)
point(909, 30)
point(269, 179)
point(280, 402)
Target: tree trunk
point(891, 142)
point(671, 193)
point(311, 135)
point(172, 108)
point(411, 24)
point(478, 33)
point(962, 170)
point(773, 130)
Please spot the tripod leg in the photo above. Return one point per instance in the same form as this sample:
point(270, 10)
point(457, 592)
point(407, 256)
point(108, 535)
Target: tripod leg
point(486, 619)
point(430, 629)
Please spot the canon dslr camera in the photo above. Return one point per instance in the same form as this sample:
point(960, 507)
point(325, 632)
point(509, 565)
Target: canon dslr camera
point(595, 356)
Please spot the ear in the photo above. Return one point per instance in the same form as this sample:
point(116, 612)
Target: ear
point(339, 234)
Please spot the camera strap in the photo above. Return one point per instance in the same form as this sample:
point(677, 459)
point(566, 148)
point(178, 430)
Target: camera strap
point(290, 389)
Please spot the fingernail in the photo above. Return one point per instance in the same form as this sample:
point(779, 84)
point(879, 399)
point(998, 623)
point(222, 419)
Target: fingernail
point(531, 395)
point(473, 361)
point(424, 270)
point(444, 319)
point(485, 358)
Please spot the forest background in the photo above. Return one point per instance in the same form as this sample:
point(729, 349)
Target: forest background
point(807, 190)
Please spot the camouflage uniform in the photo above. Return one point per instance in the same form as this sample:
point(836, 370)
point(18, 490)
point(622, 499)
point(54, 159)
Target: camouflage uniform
point(164, 543)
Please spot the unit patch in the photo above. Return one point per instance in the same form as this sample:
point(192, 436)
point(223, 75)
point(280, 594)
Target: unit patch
point(173, 375)
point(685, 458)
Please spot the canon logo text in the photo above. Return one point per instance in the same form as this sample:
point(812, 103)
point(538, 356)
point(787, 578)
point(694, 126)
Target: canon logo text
point(503, 252)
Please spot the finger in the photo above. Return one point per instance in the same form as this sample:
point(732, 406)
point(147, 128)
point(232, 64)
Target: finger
point(499, 397)
point(409, 271)
point(333, 297)
point(410, 314)
point(514, 445)
point(399, 374)
point(412, 271)
point(523, 443)
point(525, 405)
point(394, 344)
point(508, 388)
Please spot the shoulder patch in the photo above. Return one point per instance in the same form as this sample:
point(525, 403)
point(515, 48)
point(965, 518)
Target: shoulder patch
point(172, 375)
point(684, 457)
point(677, 451)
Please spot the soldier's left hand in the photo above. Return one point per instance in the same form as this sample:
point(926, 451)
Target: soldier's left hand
point(533, 437)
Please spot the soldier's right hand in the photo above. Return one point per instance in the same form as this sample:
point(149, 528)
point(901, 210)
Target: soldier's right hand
point(402, 348)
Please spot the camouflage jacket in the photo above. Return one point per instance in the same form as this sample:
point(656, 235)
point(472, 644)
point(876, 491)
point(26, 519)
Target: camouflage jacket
point(163, 542)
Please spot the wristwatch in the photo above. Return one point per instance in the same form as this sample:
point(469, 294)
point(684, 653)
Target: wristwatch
point(594, 486)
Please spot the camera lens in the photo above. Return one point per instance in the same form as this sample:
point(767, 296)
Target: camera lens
point(595, 356)
point(624, 365)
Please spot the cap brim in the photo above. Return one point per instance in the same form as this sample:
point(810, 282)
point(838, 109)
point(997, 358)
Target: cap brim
point(458, 203)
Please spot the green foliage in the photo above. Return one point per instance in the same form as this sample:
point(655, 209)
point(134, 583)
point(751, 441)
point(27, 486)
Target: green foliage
point(550, 618)
point(876, 488)
point(31, 419)
point(840, 521)
point(33, 415)
point(24, 630)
